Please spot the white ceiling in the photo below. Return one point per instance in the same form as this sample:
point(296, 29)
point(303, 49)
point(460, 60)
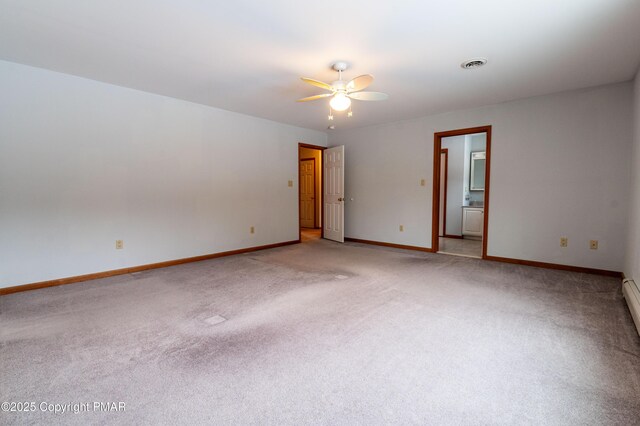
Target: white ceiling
point(247, 55)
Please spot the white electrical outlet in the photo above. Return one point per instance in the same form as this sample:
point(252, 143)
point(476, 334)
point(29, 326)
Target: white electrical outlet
point(401, 228)
point(564, 241)
point(119, 244)
point(593, 244)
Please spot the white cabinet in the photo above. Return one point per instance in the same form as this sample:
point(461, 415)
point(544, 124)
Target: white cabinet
point(472, 221)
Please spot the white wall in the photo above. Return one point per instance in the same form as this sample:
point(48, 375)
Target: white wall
point(632, 263)
point(84, 163)
point(455, 183)
point(560, 167)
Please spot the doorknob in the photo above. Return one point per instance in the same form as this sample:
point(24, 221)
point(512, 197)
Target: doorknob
point(340, 199)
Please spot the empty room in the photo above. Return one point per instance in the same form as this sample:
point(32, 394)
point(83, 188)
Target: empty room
point(340, 213)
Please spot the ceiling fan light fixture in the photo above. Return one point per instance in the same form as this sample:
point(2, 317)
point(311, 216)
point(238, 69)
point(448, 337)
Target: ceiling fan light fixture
point(340, 102)
point(342, 92)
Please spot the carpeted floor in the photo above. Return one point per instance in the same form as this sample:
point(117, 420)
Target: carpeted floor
point(324, 333)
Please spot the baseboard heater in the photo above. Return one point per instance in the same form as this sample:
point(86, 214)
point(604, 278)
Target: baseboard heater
point(632, 295)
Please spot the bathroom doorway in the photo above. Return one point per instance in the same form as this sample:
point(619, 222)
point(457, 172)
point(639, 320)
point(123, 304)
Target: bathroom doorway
point(461, 191)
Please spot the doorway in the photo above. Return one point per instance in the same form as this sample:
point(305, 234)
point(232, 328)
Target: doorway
point(310, 191)
point(461, 191)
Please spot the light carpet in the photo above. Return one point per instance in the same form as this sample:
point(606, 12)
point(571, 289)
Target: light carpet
point(326, 333)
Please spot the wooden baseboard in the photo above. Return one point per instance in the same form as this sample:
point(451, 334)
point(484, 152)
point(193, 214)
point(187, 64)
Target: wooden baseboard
point(502, 259)
point(459, 237)
point(105, 274)
point(556, 266)
point(380, 243)
point(131, 269)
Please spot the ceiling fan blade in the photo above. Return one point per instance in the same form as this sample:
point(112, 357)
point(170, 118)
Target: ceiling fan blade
point(314, 97)
point(368, 96)
point(317, 83)
point(359, 83)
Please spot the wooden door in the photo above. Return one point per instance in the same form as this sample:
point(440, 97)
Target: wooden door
point(307, 192)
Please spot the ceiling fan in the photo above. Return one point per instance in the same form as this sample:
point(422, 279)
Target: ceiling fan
point(343, 91)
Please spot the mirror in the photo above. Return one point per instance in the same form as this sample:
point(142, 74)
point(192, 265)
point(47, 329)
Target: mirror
point(476, 176)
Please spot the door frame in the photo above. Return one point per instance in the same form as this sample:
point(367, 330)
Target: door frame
point(321, 149)
point(435, 214)
point(315, 201)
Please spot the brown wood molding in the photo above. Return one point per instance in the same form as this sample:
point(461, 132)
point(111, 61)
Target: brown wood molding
point(380, 243)
point(460, 132)
point(444, 151)
point(318, 199)
point(458, 237)
point(533, 263)
point(131, 269)
point(306, 145)
point(487, 187)
point(555, 266)
point(435, 211)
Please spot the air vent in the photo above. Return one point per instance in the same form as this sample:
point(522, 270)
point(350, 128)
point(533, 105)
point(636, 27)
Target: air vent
point(473, 63)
